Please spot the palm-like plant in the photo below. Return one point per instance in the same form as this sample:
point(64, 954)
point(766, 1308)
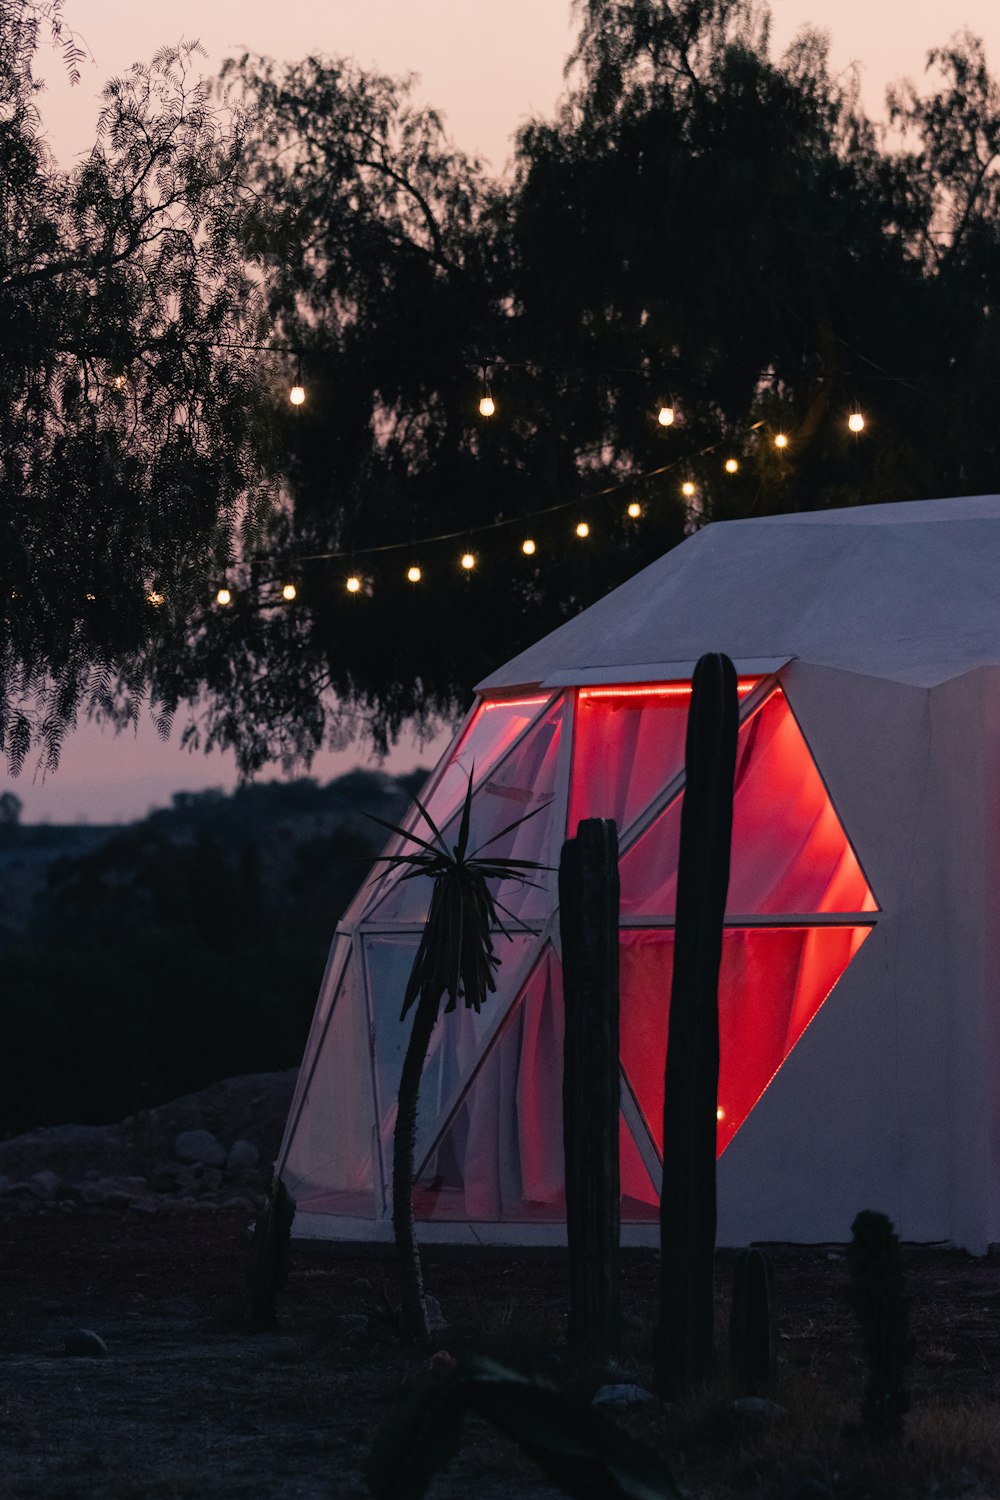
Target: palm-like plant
point(455, 957)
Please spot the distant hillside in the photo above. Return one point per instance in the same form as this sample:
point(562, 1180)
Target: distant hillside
point(143, 961)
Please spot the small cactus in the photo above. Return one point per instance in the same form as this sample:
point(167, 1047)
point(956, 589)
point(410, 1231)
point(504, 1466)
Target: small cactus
point(878, 1295)
point(272, 1236)
point(753, 1332)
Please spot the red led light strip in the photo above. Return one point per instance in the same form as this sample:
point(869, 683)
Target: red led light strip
point(515, 702)
point(744, 686)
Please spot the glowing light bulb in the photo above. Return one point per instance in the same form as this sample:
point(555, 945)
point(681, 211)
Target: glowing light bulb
point(468, 560)
point(289, 592)
point(634, 510)
point(297, 395)
point(414, 574)
point(856, 422)
point(687, 489)
point(665, 416)
point(780, 440)
point(720, 1113)
point(528, 547)
point(487, 406)
point(155, 598)
point(223, 597)
point(119, 382)
point(353, 584)
point(731, 466)
point(90, 598)
point(582, 529)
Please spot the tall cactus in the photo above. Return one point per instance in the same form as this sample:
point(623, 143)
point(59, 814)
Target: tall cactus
point(753, 1333)
point(588, 917)
point(687, 1204)
point(878, 1294)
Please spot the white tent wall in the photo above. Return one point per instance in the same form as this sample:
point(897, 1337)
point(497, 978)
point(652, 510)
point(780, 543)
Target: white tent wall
point(889, 1100)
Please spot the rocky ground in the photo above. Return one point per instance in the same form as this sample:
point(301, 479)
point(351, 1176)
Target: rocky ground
point(129, 1369)
point(204, 1153)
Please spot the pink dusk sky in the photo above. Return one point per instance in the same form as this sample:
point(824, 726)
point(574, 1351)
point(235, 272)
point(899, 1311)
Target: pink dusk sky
point(487, 67)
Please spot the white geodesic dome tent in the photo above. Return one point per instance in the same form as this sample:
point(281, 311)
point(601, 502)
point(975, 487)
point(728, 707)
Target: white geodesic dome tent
point(860, 984)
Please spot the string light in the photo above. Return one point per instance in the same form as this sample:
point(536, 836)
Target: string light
point(856, 422)
point(119, 381)
point(468, 561)
point(665, 416)
point(582, 529)
point(289, 592)
point(634, 511)
point(353, 584)
point(780, 440)
point(224, 596)
point(687, 489)
point(154, 598)
point(487, 405)
point(720, 1113)
point(414, 574)
point(731, 465)
point(528, 547)
point(297, 394)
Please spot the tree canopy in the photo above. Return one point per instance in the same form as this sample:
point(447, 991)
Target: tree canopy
point(701, 225)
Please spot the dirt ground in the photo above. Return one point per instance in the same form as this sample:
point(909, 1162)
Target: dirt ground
point(190, 1404)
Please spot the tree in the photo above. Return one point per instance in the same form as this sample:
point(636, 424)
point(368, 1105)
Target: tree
point(454, 957)
point(10, 810)
point(133, 450)
point(699, 222)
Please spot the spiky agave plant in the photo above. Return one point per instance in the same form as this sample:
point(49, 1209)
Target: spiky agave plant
point(456, 958)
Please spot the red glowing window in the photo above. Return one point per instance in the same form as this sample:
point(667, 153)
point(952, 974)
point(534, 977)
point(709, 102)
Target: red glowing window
point(628, 744)
point(790, 854)
point(772, 981)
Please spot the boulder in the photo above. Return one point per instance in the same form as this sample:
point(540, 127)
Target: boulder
point(45, 1185)
point(243, 1155)
point(199, 1146)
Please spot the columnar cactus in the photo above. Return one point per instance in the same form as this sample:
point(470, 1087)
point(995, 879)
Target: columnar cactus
point(687, 1203)
point(588, 915)
point(753, 1334)
point(878, 1294)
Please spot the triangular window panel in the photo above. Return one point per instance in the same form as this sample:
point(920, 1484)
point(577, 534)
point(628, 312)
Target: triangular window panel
point(330, 1162)
point(490, 733)
point(457, 1041)
point(522, 784)
point(501, 1155)
point(790, 854)
point(772, 982)
point(628, 743)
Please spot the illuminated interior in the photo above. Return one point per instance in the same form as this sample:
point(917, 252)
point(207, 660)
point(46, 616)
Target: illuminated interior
point(489, 1131)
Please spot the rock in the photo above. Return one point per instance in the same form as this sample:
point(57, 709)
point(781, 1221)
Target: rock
point(145, 1205)
point(116, 1198)
point(200, 1146)
point(211, 1180)
point(67, 1150)
point(242, 1204)
point(758, 1409)
point(242, 1156)
point(83, 1343)
point(45, 1185)
point(621, 1395)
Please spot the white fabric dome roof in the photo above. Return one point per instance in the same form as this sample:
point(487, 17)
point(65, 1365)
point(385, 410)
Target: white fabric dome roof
point(909, 591)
